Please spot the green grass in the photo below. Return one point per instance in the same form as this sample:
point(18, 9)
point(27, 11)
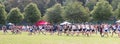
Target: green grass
point(24, 38)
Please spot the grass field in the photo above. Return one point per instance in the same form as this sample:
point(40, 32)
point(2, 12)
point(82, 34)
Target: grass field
point(24, 38)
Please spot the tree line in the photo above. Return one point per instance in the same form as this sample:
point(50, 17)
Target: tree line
point(74, 11)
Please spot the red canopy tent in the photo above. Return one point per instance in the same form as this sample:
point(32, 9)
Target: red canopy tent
point(41, 22)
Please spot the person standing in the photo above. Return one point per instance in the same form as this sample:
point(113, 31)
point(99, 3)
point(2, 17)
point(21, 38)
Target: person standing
point(4, 28)
point(12, 29)
point(101, 30)
point(59, 29)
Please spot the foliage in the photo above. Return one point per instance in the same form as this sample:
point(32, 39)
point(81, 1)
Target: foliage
point(115, 3)
point(32, 13)
point(117, 12)
point(2, 14)
point(90, 4)
point(42, 4)
point(75, 12)
point(102, 11)
point(15, 16)
point(53, 14)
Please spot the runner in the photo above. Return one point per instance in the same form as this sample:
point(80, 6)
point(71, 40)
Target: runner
point(114, 27)
point(106, 29)
point(69, 30)
point(87, 30)
point(79, 29)
point(31, 29)
point(119, 30)
point(92, 29)
point(74, 29)
point(83, 29)
point(40, 30)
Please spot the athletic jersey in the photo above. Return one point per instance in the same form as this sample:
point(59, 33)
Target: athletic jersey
point(40, 27)
point(118, 27)
point(31, 28)
point(83, 26)
point(73, 27)
point(65, 27)
point(4, 28)
point(78, 26)
point(59, 27)
point(92, 27)
point(87, 27)
point(114, 27)
point(23, 27)
point(27, 27)
point(105, 27)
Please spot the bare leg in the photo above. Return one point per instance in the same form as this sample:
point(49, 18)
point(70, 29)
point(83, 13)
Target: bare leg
point(73, 33)
point(119, 34)
point(112, 34)
point(107, 34)
point(78, 33)
point(43, 32)
point(87, 33)
point(67, 33)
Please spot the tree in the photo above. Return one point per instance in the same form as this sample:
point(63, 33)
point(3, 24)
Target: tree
point(117, 12)
point(2, 1)
point(15, 16)
point(90, 4)
point(102, 11)
point(115, 3)
point(42, 4)
point(2, 14)
point(32, 13)
point(83, 1)
point(60, 1)
point(53, 14)
point(75, 12)
point(68, 2)
point(110, 1)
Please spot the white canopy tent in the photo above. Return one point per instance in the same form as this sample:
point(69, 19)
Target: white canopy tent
point(10, 24)
point(64, 23)
point(118, 21)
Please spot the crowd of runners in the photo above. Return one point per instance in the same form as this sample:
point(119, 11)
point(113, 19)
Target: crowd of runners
point(69, 30)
